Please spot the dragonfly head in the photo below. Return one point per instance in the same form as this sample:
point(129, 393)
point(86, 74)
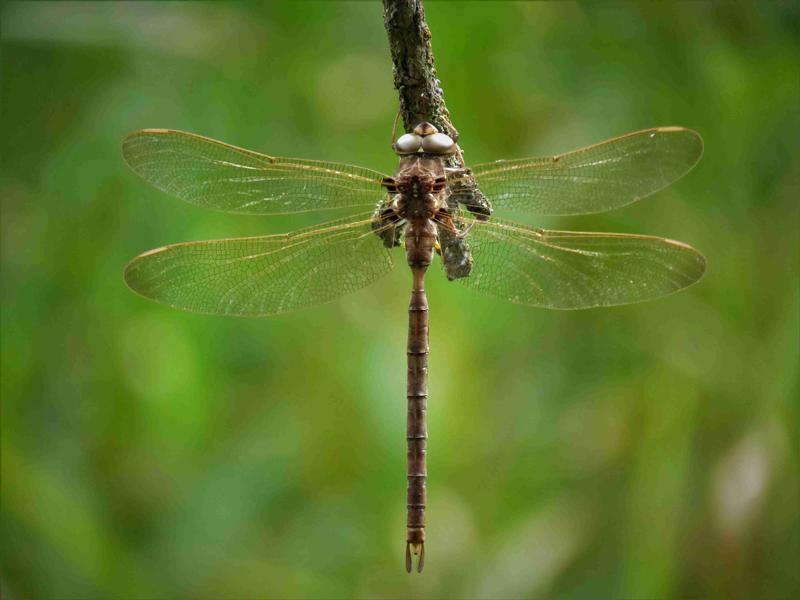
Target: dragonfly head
point(426, 139)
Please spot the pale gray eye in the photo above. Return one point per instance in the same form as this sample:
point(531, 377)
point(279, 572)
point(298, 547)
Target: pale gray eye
point(409, 142)
point(438, 143)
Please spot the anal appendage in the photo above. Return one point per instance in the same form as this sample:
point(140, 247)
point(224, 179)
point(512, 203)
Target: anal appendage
point(417, 549)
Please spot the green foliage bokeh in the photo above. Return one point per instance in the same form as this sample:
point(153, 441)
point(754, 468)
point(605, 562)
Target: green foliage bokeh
point(641, 451)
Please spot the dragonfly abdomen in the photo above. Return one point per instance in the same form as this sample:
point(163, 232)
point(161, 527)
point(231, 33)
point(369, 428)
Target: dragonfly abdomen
point(416, 424)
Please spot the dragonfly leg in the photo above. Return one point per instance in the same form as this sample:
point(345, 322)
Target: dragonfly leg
point(457, 171)
point(464, 192)
point(387, 225)
point(451, 130)
point(394, 128)
point(462, 234)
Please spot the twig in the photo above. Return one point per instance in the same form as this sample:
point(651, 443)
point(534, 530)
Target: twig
point(421, 96)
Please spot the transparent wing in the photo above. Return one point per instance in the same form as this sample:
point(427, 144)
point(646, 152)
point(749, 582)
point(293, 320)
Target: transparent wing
point(571, 270)
point(215, 175)
point(594, 179)
point(262, 275)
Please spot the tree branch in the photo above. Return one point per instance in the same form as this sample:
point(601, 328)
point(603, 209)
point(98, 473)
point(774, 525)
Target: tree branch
point(421, 96)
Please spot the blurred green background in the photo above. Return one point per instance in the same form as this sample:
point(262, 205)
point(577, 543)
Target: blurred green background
point(648, 451)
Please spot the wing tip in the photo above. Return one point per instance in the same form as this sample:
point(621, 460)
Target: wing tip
point(686, 130)
point(697, 254)
point(151, 131)
point(138, 133)
point(149, 253)
point(701, 267)
point(671, 128)
point(127, 271)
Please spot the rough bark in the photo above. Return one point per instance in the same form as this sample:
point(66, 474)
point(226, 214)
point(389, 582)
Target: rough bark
point(421, 95)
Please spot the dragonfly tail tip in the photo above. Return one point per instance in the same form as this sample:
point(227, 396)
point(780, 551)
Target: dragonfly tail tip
point(417, 549)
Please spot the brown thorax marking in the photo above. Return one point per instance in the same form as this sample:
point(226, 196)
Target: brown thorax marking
point(417, 188)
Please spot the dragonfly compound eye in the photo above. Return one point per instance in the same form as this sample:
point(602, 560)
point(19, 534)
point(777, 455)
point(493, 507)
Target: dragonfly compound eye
point(408, 143)
point(438, 143)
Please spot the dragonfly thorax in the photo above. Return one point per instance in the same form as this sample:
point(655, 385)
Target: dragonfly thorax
point(416, 199)
point(417, 188)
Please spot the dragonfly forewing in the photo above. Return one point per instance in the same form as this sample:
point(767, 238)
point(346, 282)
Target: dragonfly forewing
point(263, 275)
point(219, 176)
point(574, 270)
point(595, 179)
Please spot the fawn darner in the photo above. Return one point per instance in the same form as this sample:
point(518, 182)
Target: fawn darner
point(429, 208)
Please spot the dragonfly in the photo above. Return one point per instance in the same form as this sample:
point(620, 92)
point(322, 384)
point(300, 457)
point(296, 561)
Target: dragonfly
point(428, 208)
